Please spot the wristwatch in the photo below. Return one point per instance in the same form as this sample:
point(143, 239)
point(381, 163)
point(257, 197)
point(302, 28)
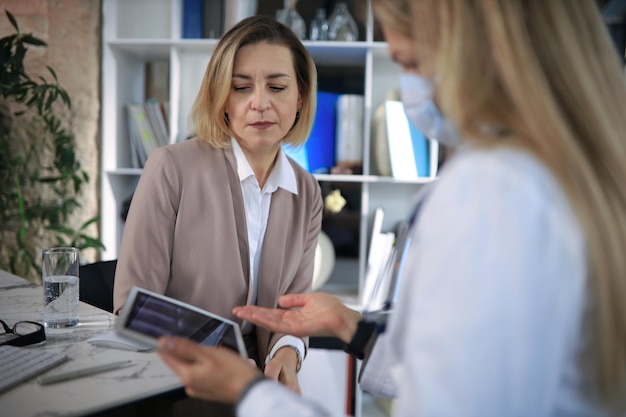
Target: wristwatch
point(295, 349)
point(364, 331)
point(371, 325)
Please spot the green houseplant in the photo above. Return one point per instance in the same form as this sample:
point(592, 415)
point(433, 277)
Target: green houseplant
point(40, 175)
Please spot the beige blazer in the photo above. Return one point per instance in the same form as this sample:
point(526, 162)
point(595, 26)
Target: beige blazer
point(186, 235)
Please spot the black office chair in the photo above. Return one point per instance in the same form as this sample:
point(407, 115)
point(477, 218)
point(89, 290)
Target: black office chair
point(96, 284)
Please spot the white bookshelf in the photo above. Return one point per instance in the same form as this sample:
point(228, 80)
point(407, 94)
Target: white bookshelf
point(138, 31)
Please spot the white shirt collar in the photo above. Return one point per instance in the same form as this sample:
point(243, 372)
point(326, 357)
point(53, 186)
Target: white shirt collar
point(282, 174)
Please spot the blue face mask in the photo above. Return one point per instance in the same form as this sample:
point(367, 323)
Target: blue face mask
point(420, 109)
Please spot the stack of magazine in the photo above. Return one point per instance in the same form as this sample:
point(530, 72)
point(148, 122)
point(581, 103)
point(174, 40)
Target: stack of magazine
point(148, 129)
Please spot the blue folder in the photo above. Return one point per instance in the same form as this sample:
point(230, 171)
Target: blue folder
point(420, 150)
point(193, 15)
point(318, 154)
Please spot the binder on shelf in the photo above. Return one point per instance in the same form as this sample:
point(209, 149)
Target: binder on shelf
point(165, 111)
point(409, 153)
point(155, 116)
point(193, 16)
point(349, 130)
point(398, 257)
point(384, 285)
point(322, 141)
point(141, 132)
point(318, 153)
point(136, 152)
point(379, 148)
point(213, 24)
point(377, 258)
point(157, 80)
point(433, 149)
point(420, 149)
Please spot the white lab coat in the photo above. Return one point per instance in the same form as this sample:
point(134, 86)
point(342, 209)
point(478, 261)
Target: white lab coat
point(489, 318)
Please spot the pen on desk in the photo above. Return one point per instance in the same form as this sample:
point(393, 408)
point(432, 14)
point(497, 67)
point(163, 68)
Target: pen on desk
point(77, 373)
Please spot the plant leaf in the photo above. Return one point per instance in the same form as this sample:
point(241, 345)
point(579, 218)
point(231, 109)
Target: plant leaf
point(13, 21)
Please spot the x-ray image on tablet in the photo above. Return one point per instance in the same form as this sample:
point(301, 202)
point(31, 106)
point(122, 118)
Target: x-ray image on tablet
point(147, 315)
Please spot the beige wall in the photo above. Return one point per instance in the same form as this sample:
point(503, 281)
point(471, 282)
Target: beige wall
point(72, 30)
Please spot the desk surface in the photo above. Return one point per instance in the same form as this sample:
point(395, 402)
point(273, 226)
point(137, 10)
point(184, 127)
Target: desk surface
point(147, 377)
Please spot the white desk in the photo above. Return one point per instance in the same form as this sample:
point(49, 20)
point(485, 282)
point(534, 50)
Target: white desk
point(147, 377)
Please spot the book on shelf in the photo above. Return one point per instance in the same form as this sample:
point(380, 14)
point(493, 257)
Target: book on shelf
point(138, 153)
point(137, 156)
point(385, 260)
point(322, 141)
point(349, 131)
point(165, 111)
point(409, 154)
point(398, 258)
point(157, 80)
point(378, 254)
point(193, 16)
point(317, 155)
point(213, 22)
point(203, 18)
point(157, 121)
point(379, 281)
point(433, 163)
point(379, 148)
point(143, 139)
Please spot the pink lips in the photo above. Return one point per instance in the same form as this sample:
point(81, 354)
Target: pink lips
point(262, 125)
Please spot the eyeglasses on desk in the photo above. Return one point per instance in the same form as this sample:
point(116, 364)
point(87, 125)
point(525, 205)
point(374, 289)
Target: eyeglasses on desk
point(22, 333)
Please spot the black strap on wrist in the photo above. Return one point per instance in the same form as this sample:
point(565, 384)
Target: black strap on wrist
point(364, 331)
point(249, 386)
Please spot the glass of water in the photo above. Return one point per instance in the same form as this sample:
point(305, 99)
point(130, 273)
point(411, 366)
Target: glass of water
point(60, 284)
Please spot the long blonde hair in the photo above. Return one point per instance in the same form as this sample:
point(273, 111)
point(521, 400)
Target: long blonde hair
point(545, 73)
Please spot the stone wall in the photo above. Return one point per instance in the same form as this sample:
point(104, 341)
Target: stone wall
point(72, 30)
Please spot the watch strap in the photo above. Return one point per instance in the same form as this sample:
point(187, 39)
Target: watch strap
point(364, 331)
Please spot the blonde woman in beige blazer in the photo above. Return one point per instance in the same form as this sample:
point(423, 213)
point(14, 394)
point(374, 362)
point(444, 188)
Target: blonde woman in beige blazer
point(187, 231)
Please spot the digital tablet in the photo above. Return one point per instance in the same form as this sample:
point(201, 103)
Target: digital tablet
point(147, 315)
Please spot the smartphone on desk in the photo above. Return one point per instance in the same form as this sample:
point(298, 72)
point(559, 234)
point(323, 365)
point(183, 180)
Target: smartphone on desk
point(147, 315)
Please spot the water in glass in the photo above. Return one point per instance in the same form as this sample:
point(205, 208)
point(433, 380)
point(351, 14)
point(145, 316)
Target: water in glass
point(61, 301)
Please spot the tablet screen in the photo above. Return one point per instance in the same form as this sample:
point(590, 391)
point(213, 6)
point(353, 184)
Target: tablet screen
point(154, 315)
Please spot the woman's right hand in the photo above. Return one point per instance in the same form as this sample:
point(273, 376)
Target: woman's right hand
point(311, 314)
point(208, 373)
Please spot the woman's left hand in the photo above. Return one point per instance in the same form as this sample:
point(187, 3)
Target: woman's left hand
point(282, 368)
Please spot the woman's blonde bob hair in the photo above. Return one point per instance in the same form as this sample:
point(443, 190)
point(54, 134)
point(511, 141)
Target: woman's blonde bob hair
point(546, 76)
point(208, 116)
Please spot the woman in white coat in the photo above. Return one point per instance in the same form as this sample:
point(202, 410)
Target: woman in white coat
point(512, 299)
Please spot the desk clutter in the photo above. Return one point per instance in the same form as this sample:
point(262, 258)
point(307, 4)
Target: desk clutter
point(21, 364)
point(140, 377)
point(111, 340)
